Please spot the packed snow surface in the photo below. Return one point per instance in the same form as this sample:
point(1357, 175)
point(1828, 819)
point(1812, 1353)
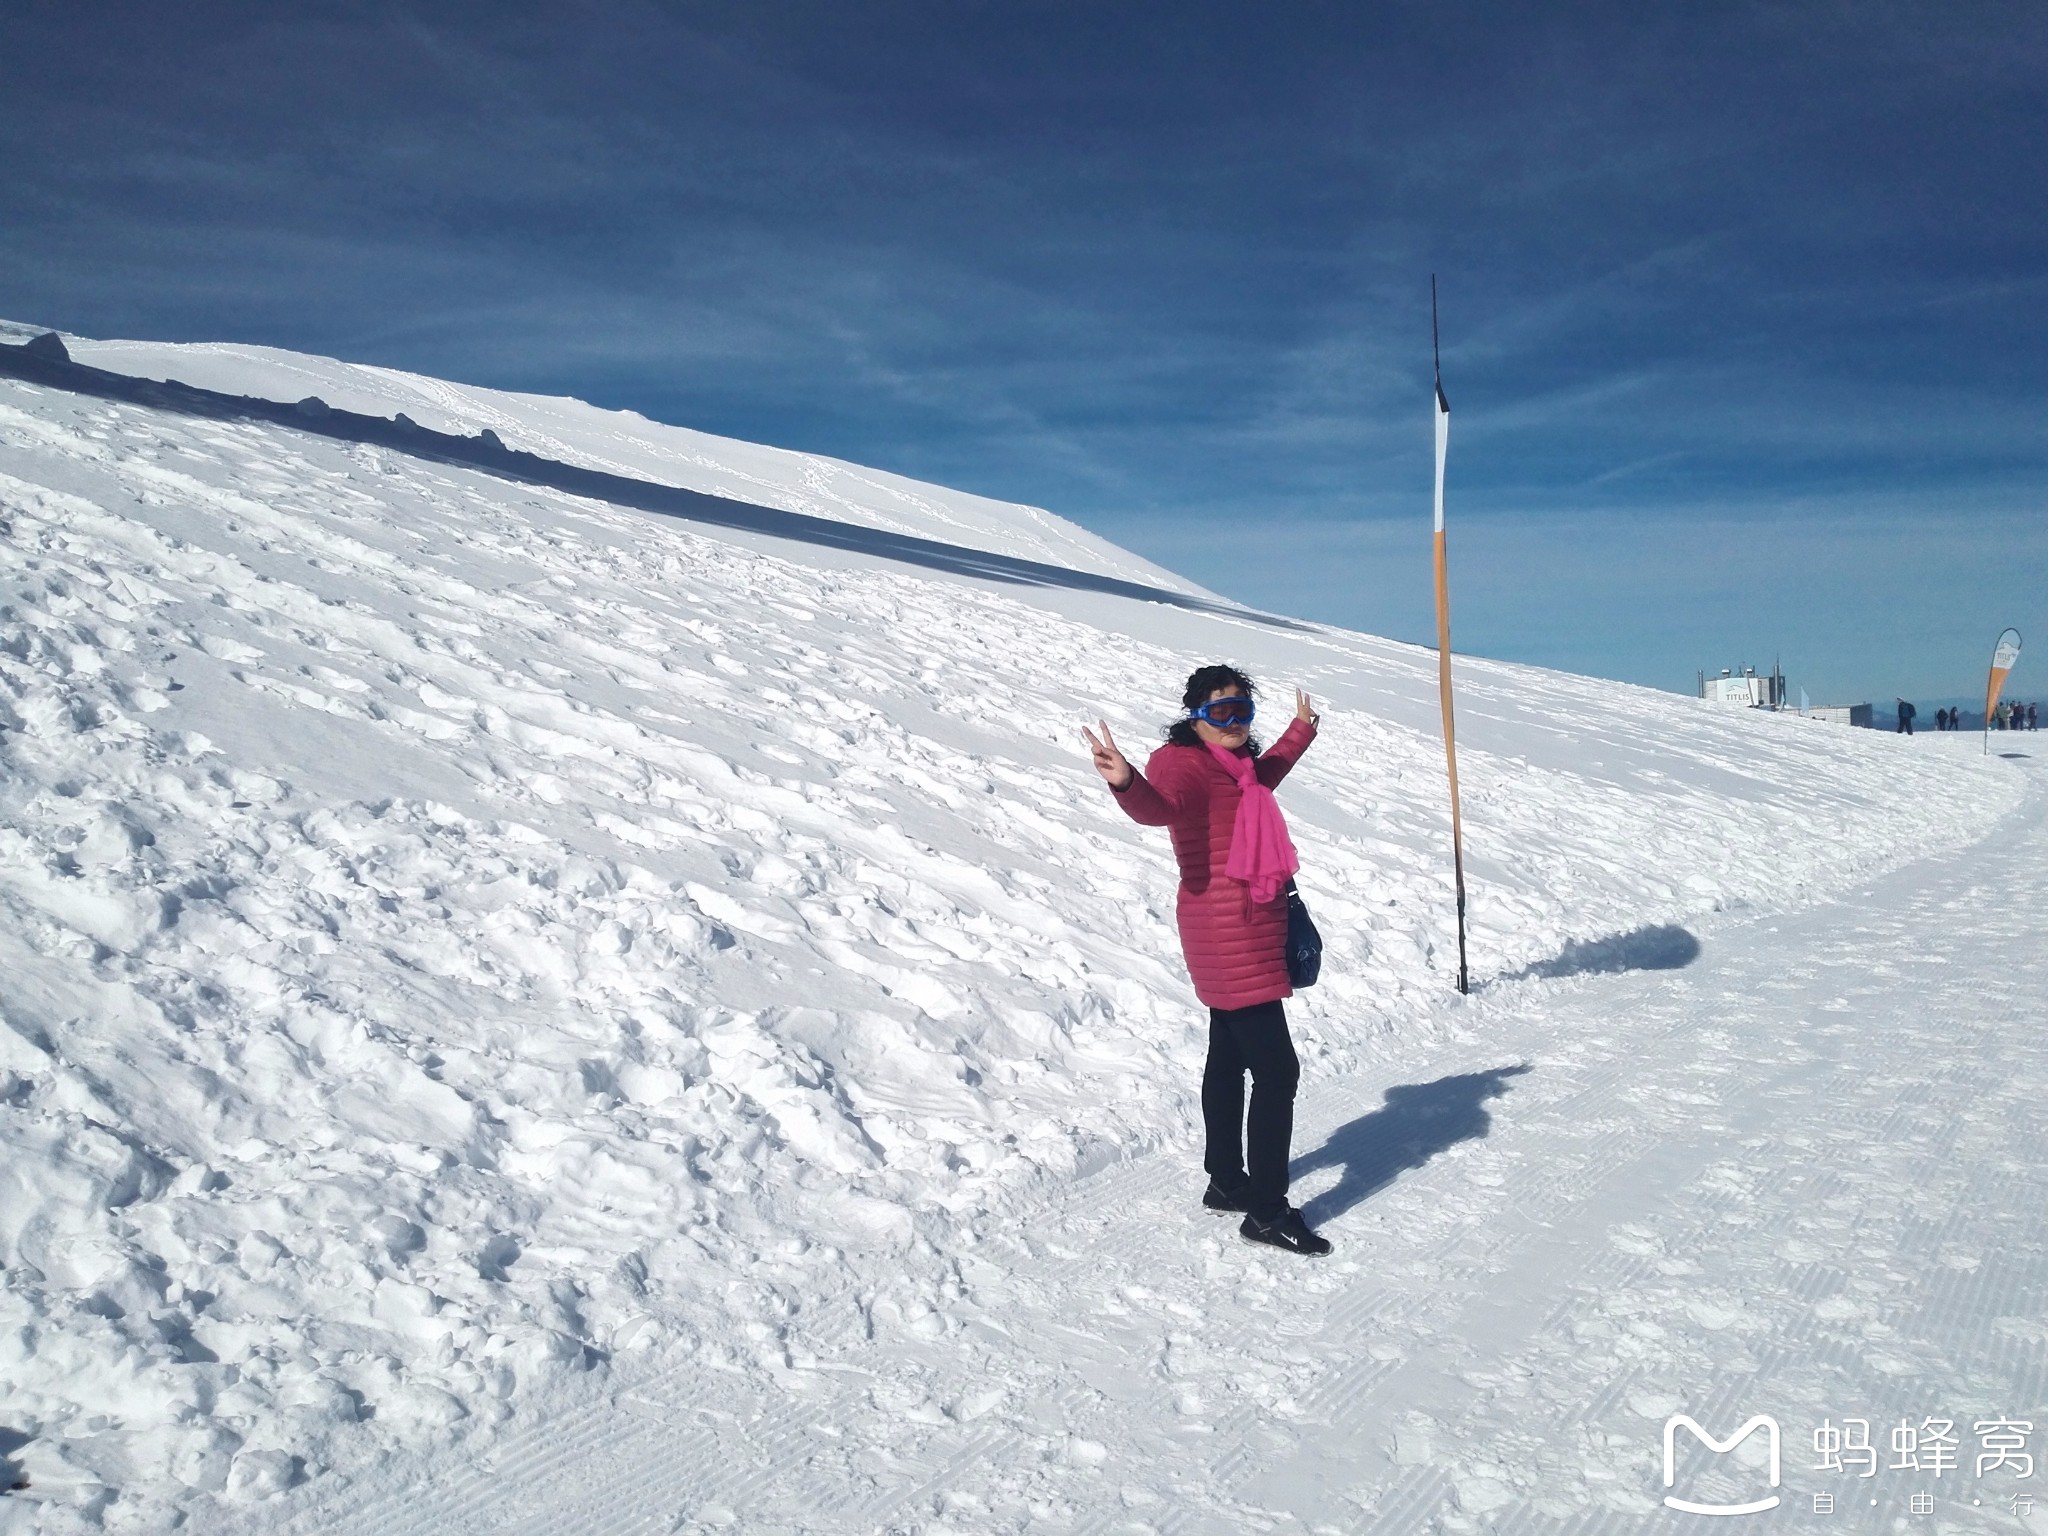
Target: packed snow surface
point(520, 1012)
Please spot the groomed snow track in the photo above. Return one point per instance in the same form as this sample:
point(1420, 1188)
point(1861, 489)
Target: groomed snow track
point(1799, 1176)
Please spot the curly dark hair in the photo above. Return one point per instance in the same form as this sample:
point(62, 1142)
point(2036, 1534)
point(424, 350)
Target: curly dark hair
point(1202, 682)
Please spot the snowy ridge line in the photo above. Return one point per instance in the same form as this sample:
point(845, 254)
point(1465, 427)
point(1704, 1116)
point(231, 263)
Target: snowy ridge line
point(629, 444)
point(488, 453)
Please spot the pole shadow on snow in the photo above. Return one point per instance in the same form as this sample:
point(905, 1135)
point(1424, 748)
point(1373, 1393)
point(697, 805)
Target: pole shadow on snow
point(1418, 1121)
point(43, 360)
point(1661, 947)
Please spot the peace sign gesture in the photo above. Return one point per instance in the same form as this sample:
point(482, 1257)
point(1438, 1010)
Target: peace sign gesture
point(1115, 768)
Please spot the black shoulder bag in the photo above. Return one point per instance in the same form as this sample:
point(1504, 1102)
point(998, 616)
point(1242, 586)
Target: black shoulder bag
point(1304, 943)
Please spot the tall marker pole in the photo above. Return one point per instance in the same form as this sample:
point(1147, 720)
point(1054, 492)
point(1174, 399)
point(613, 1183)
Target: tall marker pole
point(1443, 630)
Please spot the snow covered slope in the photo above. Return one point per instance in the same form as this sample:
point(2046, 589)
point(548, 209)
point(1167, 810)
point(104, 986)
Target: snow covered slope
point(623, 442)
point(457, 937)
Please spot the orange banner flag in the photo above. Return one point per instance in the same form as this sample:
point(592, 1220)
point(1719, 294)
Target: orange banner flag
point(2003, 656)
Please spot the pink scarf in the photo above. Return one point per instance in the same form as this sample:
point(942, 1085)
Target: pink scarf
point(1261, 853)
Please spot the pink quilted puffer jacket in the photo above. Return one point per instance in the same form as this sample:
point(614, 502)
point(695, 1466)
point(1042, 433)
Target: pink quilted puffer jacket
point(1236, 950)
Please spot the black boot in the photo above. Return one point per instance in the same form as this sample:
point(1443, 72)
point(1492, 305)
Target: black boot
point(1289, 1232)
point(1222, 1200)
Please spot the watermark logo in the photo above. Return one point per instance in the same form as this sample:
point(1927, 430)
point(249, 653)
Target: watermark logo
point(1679, 1421)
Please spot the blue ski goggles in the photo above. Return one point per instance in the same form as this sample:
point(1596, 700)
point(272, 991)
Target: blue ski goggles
point(1223, 713)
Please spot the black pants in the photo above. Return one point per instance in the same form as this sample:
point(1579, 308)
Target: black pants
point(1251, 1040)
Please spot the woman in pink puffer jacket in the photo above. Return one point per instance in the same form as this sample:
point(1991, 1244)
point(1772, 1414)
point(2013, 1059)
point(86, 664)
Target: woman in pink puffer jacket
point(1212, 788)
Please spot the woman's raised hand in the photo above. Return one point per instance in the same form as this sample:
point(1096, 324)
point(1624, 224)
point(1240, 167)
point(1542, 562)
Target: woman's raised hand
point(1115, 768)
point(1303, 709)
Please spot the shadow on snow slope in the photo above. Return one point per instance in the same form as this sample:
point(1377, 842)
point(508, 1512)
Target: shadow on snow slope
point(44, 361)
point(1418, 1121)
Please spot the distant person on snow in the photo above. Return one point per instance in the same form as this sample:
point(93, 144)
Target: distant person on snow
point(1906, 713)
point(1212, 787)
point(1941, 719)
point(2033, 720)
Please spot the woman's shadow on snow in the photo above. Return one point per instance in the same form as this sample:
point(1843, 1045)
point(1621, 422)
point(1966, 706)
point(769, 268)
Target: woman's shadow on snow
point(1418, 1121)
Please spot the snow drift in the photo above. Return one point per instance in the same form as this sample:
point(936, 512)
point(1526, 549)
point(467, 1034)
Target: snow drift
point(454, 935)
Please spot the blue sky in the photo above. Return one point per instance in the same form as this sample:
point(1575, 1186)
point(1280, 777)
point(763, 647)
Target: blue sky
point(1745, 306)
